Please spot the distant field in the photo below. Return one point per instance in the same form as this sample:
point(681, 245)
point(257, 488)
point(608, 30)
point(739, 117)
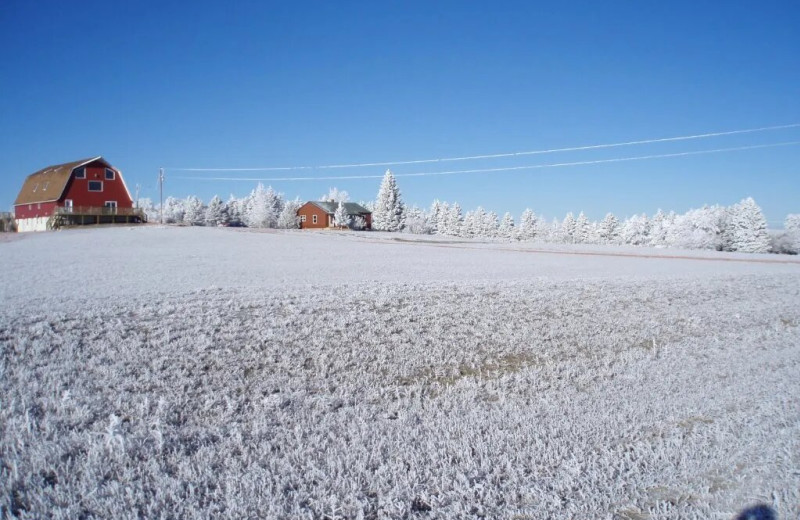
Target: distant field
point(221, 373)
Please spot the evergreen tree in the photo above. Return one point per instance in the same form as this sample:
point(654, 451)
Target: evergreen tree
point(582, 229)
point(389, 213)
point(263, 207)
point(341, 217)
point(234, 207)
point(491, 223)
point(417, 222)
point(443, 219)
point(454, 220)
point(555, 232)
point(608, 230)
point(215, 212)
point(791, 238)
point(658, 229)
point(468, 225)
point(506, 229)
point(748, 227)
point(527, 225)
point(194, 213)
point(568, 228)
point(636, 230)
point(288, 218)
point(433, 216)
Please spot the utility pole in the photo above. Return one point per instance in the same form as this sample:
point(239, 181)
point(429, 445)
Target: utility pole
point(161, 194)
point(137, 196)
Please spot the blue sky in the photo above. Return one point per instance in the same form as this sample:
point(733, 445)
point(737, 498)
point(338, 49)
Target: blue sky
point(262, 84)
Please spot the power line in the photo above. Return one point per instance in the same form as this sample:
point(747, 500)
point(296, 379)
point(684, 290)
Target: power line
point(495, 156)
point(495, 170)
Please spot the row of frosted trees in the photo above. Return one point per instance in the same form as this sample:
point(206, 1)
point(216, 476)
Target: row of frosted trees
point(740, 227)
point(262, 208)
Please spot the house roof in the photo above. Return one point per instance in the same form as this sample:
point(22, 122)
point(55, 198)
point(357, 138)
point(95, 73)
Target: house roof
point(351, 207)
point(48, 184)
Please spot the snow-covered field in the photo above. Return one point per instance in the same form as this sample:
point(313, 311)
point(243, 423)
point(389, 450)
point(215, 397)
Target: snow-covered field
point(205, 373)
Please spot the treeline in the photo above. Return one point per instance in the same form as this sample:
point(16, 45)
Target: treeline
point(740, 227)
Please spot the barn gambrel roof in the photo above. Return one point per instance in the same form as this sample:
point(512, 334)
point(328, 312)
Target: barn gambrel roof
point(48, 184)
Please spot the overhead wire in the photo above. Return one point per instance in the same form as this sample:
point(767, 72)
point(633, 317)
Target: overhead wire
point(497, 155)
point(497, 170)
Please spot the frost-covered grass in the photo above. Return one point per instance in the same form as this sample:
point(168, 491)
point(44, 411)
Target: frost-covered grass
point(275, 376)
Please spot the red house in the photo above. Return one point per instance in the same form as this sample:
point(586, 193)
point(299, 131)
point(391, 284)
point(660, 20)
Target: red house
point(89, 191)
point(319, 214)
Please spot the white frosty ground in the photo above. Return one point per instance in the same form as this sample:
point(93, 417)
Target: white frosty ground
point(221, 373)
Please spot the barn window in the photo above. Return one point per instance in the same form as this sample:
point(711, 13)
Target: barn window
point(111, 205)
point(80, 173)
point(110, 175)
point(302, 218)
point(313, 219)
point(95, 185)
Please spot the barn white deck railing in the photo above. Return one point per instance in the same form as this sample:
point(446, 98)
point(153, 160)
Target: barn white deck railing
point(93, 210)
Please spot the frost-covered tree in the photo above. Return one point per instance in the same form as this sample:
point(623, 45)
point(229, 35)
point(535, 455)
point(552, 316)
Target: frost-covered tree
point(216, 213)
point(146, 204)
point(340, 216)
point(389, 212)
point(442, 219)
point(582, 229)
point(358, 223)
point(608, 230)
point(568, 228)
point(288, 218)
point(658, 229)
point(506, 229)
point(636, 230)
point(335, 195)
point(491, 224)
point(789, 240)
point(235, 211)
point(696, 229)
point(468, 229)
point(173, 210)
point(454, 220)
point(476, 226)
point(555, 231)
point(194, 214)
point(263, 207)
point(434, 216)
point(527, 225)
point(748, 227)
point(417, 222)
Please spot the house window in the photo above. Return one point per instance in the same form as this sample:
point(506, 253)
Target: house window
point(95, 185)
point(110, 174)
point(313, 219)
point(80, 173)
point(302, 218)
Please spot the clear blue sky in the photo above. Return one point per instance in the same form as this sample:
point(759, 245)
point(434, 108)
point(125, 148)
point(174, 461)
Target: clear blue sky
point(259, 84)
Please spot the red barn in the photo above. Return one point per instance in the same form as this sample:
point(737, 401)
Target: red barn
point(89, 191)
point(319, 214)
